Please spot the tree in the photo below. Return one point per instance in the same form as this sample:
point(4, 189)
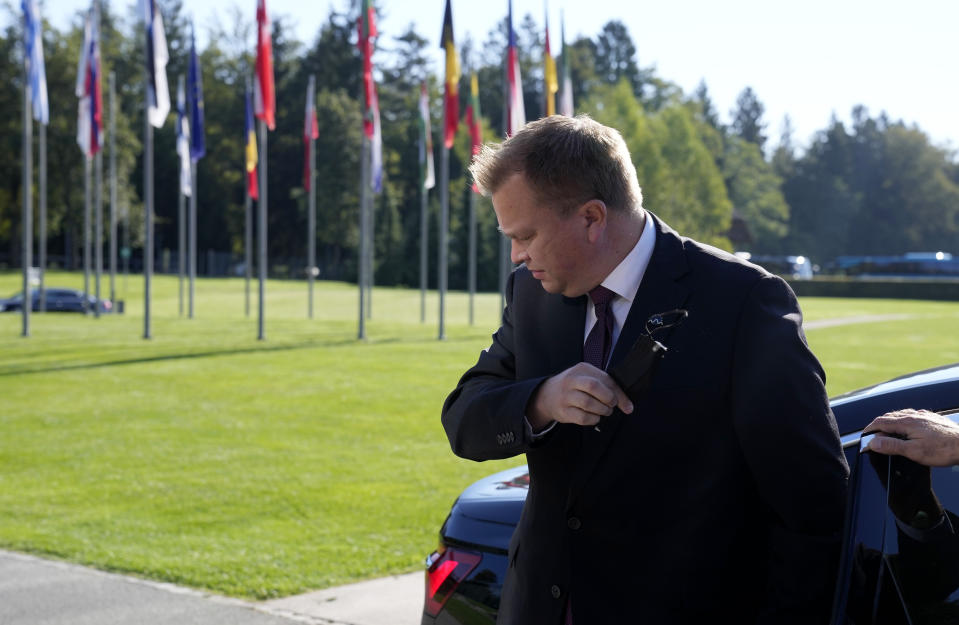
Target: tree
point(676, 171)
point(754, 190)
point(748, 118)
point(616, 57)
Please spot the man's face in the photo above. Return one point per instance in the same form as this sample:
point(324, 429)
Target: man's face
point(555, 249)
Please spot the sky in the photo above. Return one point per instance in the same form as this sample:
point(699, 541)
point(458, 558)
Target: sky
point(810, 60)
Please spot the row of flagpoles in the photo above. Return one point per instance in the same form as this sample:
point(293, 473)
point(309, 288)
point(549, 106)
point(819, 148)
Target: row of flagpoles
point(261, 105)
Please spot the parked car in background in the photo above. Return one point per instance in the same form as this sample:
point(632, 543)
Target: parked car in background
point(793, 267)
point(58, 300)
point(889, 573)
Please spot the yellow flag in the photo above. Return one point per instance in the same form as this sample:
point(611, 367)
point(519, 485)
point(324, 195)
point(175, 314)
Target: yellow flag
point(552, 84)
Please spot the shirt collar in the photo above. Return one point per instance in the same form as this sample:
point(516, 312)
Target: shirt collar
point(625, 278)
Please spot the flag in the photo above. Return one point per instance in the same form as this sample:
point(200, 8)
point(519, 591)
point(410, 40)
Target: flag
point(516, 110)
point(376, 154)
point(90, 109)
point(310, 131)
point(427, 175)
point(264, 95)
point(566, 95)
point(549, 73)
point(183, 142)
point(158, 93)
point(366, 28)
point(195, 86)
point(252, 186)
point(452, 98)
point(473, 119)
point(36, 71)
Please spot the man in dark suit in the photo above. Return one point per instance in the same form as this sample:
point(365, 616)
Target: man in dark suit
point(715, 496)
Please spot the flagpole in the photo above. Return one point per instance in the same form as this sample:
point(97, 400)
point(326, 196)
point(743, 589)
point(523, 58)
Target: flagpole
point(181, 219)
point(147, 212)
point(43, 216)
point(444, 234)
point(27, 302)
point(506, 114)
point(248, 246)
point(361, 256)
point(472, 253)
point(248, 214)
point(248, 243)
point(424, 245)
point(181, 248)
point(311, 226)
point(261, 233)
point(98, 233)
point(194, 191)
point(87, 200)
point(197, 149)
point(370, 250)
point(113, 190)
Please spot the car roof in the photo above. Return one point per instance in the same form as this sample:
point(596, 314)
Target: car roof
point(938, 375)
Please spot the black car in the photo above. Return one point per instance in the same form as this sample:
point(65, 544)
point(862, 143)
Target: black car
point(58, 300)
point(890, 573)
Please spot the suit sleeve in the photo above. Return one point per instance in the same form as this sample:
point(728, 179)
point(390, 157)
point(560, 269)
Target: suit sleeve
point(484, 416)
point(791, 443)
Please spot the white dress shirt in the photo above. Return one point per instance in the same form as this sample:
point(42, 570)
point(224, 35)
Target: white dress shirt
point(624, 282)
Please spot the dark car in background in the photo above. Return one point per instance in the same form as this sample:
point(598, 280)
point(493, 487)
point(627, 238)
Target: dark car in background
point(791, 267)
point(57, 300)
point(889, 573)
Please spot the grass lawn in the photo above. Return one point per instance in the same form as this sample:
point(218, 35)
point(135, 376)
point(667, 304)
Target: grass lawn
point(267, 468)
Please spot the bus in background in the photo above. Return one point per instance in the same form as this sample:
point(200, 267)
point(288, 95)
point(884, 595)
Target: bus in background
point(909, 265)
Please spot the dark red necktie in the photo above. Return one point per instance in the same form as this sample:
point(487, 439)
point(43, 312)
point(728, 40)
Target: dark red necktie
point(600, 338)
point(596, 352)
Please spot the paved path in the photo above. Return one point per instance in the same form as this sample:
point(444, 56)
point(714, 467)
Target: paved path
point(34, 591)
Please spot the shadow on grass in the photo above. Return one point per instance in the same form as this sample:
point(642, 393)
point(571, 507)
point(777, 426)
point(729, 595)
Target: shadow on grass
point(342, 342)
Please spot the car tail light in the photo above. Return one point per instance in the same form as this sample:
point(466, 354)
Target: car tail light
point(445, 569)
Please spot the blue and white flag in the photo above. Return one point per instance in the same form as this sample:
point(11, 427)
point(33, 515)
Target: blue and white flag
point(36, 71)
point(195, 87)
point(158, 92)
point(183, 142)
point(90, 106)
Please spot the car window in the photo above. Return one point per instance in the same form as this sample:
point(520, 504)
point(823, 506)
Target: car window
point(900, 559)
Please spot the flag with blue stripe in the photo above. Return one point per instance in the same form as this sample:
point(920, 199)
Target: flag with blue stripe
point(36, 71)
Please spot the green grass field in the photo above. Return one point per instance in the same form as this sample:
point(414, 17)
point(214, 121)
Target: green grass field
point(267, 468)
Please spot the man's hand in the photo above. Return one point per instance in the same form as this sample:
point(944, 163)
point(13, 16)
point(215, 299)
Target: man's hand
point(582, 395)
point(930, 438)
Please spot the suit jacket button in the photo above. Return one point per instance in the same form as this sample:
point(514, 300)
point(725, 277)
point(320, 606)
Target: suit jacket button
point(555, 591)
point(573, 523)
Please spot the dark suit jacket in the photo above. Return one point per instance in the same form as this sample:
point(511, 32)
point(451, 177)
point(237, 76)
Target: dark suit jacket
point(720, 499)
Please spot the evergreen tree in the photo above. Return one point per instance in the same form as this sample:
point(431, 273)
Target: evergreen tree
point(748, 118)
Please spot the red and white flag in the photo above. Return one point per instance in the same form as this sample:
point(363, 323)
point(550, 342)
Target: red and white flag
point(264, 95)
point(516, 109)
point(90, 109)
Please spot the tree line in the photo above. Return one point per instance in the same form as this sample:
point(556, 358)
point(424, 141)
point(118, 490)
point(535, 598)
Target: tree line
point(873, 186)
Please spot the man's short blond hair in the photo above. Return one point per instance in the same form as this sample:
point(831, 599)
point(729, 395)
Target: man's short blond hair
point(567, 161)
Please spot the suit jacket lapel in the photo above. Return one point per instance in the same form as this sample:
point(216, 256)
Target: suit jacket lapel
point(659, 291)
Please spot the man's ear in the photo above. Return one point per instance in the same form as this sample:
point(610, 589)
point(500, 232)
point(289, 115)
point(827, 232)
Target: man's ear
point(594, 215)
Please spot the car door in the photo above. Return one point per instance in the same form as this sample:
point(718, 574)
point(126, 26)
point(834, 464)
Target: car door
point(55, 300)
point(900, 560)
